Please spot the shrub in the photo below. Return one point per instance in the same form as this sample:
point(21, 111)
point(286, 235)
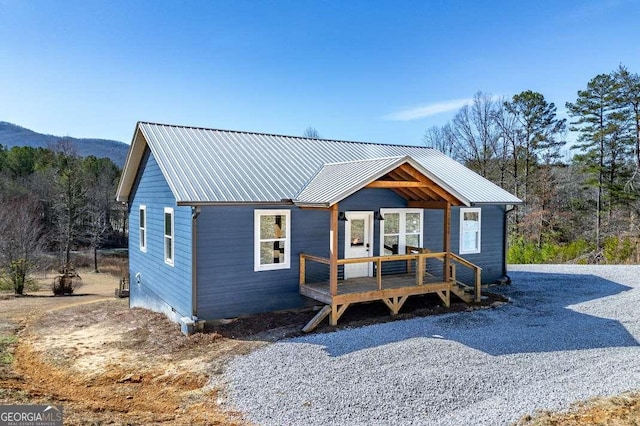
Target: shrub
point(616, 250)
point(16, 277)
point(528, 252)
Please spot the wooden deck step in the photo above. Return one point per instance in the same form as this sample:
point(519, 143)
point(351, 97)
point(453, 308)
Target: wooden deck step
point(464, 292)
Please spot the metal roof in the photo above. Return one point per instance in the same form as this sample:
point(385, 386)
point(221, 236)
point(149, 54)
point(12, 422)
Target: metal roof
point(335, 182)
point(207, 166)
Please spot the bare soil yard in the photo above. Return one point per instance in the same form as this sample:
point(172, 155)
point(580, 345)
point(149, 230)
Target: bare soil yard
point(106, 364)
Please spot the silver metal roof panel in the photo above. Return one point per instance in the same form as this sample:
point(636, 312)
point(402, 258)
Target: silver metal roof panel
point(205, 166)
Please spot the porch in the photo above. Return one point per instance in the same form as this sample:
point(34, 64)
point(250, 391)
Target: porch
point(422, 276)
point(425, 272)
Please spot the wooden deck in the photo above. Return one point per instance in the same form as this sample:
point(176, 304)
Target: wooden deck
point(366, 288)
point(392, 290)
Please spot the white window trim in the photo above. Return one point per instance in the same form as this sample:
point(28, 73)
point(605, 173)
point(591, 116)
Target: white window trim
point(256, 245)
point(167, 260)
point(461, 250)
point(142, 230)
point(402, 225)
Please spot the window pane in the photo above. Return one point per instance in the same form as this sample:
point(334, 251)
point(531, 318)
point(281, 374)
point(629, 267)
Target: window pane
point(391, 244)
point(357, 232)
point(470, 241)
point(168, 252)
point(141, 218)
point(413, 223)
point(391, 223)
point(471, 220)
point(142, 241)
point(272, 252)
point(412, 240)
point(167, 224)
point(273, 226)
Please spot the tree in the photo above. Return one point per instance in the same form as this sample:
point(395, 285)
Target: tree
point(311, 132)
point(20, 241)
point(629, 93)
point(477, 135)
point(508, 147)
point(442, 139)
point(102, 176)
point(69, 205)
point(536, 134)
point(599, 120)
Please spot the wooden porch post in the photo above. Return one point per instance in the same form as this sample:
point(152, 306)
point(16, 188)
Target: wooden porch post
point(333, 251)
point(447, 242)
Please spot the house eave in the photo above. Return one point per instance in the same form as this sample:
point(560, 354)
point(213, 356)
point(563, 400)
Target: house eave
point(235, 203)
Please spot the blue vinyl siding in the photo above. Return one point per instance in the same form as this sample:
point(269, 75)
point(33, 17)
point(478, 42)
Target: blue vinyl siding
point(227, 285)
point(162, 288)
point(491, 256)
point(372, 200)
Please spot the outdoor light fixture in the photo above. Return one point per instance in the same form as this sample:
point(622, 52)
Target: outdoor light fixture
point(378, 216)
point(342, 217)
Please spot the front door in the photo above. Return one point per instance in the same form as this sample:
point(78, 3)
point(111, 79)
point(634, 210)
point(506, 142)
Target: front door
point(358, 231)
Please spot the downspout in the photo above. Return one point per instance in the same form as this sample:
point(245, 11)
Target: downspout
point(195, 212)
point(505, 243)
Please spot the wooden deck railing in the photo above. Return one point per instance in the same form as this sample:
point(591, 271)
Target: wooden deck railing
point(417, 254)
point(378, 260)
point(477, 271)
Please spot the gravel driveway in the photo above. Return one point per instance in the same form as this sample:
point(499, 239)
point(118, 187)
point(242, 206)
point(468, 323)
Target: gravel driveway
point(571, 333)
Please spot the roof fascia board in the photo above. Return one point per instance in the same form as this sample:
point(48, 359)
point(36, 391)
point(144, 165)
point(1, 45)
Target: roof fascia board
point(494, 203)
point(437, 180)
point(131, 165)
point(234, 203)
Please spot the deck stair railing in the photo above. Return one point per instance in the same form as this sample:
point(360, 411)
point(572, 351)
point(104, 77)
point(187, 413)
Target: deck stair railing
point(463, 290)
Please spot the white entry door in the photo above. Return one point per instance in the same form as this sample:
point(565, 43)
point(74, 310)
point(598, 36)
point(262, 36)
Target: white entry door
point(358, 231)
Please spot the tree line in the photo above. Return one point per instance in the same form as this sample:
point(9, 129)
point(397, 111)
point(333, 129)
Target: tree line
point(54, 202)
point(578, 178)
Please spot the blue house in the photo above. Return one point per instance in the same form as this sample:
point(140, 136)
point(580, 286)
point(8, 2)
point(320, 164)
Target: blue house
point(227, 223)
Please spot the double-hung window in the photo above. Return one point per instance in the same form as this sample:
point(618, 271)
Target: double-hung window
point(143, 228)
point(470, 227)
point(272, 235)
point(169, 244)
point(399, 229)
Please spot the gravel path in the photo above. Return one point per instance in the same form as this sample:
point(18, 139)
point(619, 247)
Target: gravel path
point(571, 333)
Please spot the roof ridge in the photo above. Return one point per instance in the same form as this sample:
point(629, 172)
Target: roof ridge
point(283, 136)
point(363, 160)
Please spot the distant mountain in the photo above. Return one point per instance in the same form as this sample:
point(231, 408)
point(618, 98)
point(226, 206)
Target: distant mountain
point(13, 135)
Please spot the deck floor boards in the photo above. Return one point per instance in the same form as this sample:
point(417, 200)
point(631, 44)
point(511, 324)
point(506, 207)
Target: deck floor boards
point(367, 284)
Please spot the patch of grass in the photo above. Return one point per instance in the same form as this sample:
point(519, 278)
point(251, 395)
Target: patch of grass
point(14, 396)
point(6, 357)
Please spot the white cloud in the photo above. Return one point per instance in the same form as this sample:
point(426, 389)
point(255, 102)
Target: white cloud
point(428, 110)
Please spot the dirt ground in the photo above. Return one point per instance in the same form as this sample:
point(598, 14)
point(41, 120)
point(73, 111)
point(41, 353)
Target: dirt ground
point(107, 364)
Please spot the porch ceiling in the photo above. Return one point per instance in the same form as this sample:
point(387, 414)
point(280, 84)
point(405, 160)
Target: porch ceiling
point(415, 187)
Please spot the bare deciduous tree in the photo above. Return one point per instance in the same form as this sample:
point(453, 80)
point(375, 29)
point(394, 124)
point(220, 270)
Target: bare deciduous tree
point(20, 241)
point(311, 132)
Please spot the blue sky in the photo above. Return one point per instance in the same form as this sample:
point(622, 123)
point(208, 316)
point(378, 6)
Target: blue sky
point(380, 71)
